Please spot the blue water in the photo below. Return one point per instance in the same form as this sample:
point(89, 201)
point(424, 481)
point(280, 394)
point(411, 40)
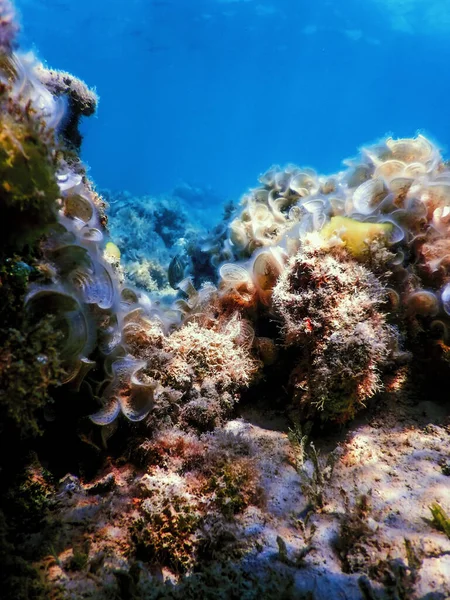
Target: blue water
point(212, 92)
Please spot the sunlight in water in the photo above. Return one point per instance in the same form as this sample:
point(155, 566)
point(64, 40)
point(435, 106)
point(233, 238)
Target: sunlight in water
point(428, 17)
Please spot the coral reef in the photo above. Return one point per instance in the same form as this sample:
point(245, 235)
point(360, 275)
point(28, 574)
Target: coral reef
point(163, 239)
point(149, 232)
point(316, 295)
point(29, 195)
point(39, 329)
point(148, 275)
point(388, 185)
point(384, 219)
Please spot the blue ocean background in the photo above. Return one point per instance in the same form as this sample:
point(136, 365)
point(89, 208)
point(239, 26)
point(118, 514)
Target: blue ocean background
point(213, 92)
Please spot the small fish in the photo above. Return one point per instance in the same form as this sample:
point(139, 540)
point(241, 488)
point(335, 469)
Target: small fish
point(175, 272)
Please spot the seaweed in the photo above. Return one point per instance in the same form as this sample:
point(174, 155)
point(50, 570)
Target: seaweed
point(440, 518)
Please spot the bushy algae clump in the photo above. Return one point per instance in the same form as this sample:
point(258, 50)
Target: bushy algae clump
point(330, 307)
point(27, 172)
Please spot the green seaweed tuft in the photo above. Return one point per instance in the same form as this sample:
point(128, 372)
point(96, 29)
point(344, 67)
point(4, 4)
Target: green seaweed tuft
point(440, 518)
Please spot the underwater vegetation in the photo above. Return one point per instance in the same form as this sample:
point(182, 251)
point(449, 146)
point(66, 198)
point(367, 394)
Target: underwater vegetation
point(27, 170)
point(132, 347)
point(29, 193)
point(43, 325)
point(330, 308)
point(163, 239)
point(148, 232)
point(351, 265)
point(330, 281)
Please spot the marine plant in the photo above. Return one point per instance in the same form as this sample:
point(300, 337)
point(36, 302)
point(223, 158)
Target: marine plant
point(440, 518)
point(314, 482)
point(29, 357)
point(187, 519)
point(330, 310)
point(181, 364)
point(332, 279)
point(296, 251)
point(27, 171)
point(29, 367)
point(232, 475)
point(384, 219)
point(34, 332)
point(221, 582)
point(170, 515)
point(315, 287)
point(56, 213)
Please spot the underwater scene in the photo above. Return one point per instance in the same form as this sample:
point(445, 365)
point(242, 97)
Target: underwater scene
point(225, 300)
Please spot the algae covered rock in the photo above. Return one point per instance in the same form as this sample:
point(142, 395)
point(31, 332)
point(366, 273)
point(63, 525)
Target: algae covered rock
point(330, 307)
point(28, 188)
point(29, 358)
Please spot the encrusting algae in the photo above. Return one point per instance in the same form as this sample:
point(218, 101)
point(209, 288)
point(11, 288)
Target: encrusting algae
point(323, 291)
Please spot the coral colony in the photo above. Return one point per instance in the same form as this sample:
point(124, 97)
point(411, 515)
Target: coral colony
point(315, 294)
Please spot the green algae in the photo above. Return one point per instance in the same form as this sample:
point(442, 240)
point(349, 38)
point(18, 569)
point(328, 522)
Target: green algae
point(29, 361)
point(167, 537)
point(214, 582)
point(28, 189)
point(440, 518)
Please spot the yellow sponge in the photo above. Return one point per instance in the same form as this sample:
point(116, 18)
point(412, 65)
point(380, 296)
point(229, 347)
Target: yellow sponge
point(355, 234)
